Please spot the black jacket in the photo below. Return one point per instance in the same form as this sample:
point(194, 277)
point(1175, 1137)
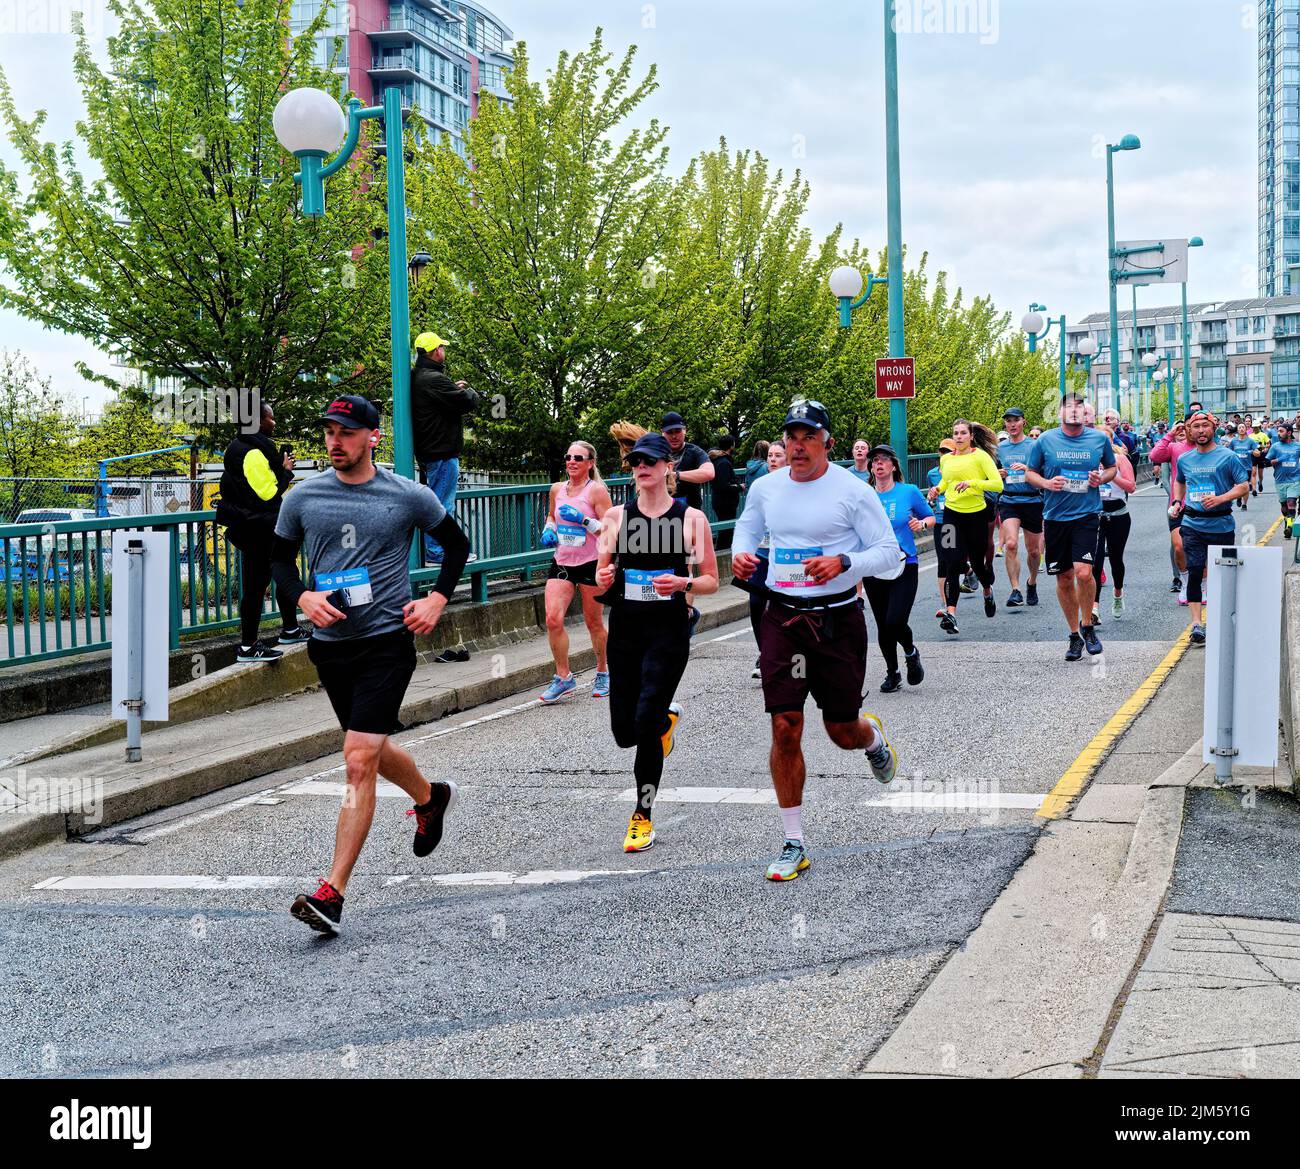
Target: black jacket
point(245, 482)
point(437, 407)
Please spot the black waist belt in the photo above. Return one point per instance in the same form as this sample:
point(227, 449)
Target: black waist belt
point(804, 604)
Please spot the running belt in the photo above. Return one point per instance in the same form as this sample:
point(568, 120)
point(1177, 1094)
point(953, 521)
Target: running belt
point(805, 604)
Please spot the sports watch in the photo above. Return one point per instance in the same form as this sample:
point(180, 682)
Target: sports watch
point(845, 563)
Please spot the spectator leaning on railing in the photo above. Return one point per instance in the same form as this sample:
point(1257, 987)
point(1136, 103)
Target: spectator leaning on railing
point(253, 481)
point(726, 487)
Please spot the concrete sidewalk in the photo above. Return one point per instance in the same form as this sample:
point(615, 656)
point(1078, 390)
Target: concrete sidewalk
point(68, 794)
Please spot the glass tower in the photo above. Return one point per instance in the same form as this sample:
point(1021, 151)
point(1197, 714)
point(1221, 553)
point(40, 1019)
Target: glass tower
point(1279, 146)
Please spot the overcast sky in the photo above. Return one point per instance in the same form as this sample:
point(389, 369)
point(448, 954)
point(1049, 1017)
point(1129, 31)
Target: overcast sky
point(1002, 121)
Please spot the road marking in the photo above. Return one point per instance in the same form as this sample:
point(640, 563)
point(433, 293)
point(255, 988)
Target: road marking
point(957, 801)
point(325, 787)
point(153, 881)
point(706, 795)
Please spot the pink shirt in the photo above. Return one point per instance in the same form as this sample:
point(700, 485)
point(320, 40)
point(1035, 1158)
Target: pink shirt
point(1168, 451)
point(577, 545)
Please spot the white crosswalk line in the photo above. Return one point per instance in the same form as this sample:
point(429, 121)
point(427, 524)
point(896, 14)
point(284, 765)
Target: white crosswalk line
point(154, 881)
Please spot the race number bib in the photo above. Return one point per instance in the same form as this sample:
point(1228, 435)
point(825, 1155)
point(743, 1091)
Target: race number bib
point(638, 584)
point(787, 568)
point(1108, 491)
point(1076, 481)
point(572, 535)
point(1015, 477)
point(1198, 490)
point(1289, 464)
point(352, 583)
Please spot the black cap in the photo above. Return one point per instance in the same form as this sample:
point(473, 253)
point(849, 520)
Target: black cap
point(672, 422)
point(889, 453)
point(654, 445)
point(805, 413)
point(1013, 412)
point(352, 411)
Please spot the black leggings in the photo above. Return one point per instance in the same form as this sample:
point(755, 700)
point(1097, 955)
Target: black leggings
point(647, 657)
point(1112, 538)
point(891, 605)
point(254, 544)
point(966, 534)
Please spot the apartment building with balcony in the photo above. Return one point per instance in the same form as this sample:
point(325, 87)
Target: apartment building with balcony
point(442, 55)
point(1278, 23)
point(1245, 354)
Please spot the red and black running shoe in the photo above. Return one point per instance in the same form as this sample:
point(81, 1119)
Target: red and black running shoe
point(321, 910)
point(430, 817)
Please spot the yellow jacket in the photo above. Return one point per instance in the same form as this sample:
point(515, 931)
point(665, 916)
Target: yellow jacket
point(977, 470)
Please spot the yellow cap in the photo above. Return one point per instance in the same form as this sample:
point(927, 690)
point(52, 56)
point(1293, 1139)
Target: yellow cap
point(429, 342)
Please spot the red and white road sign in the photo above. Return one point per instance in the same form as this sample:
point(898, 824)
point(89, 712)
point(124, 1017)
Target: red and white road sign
point(895, 377)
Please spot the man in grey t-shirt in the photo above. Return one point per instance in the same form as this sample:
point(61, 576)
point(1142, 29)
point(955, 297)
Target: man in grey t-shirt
point(357, 522)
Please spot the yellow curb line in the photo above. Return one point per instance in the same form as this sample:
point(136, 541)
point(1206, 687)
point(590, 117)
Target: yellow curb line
point(1058, 801)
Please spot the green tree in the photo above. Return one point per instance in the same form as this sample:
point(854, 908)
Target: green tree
point(35, 429)
point(184, 252)
point(129, 425)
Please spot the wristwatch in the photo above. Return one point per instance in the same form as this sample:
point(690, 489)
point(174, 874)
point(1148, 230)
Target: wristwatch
point(845, 563)
point(690, 584)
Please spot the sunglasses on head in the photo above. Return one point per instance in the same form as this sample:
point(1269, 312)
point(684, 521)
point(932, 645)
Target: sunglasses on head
point(576, 458)
point(641, 461)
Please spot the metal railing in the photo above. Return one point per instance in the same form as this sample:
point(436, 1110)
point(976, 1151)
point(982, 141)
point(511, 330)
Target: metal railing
point(58, 588)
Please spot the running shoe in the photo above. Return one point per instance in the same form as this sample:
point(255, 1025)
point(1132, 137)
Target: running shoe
point(892, 682)
point(998, 553)
point(792, 861)
point(1015, 600)
point(756, 672)
point(1075, 651)
point(320, 910)
point(1198, 634)
point(1031, 594)
point(692, 620)
point(990, 606)
point(940, 614)
point(600, 687)
point(1096, 615)
point(257, 652)
point(1117, 608)
point(294, 636)
point(915, 671)
point(884, 759)
point(948, 623)
point(674, 717)
point(1091, 640)
point(968, 583)
point(1286, 530)
point(430, 817)
point(1182, 589)
point(640, 833)
point(559, 688)
point(1177, 586)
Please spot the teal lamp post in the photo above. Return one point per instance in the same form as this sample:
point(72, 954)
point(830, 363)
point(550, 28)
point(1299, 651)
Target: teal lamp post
point(1151, 367)
point(310, 125)
point(1088, 350)
point(1128, 142)
point(1194, 242)
point(1037, 329)
point(847, 282)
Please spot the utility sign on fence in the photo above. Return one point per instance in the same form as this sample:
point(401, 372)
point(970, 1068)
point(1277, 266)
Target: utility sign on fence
point(895, 377)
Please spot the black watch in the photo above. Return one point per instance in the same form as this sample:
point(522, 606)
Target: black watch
point(690, 584)
point(845, 563)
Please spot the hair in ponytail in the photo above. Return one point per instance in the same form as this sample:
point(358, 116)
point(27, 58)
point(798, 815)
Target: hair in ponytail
point(626, 435)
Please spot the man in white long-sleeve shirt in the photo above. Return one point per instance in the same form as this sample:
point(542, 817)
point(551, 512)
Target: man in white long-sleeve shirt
point(827, 531)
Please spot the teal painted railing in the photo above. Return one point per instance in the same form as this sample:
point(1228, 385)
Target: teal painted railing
point(58, 594)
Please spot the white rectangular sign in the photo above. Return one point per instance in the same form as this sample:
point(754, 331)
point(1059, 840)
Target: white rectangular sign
point(156, 580)
point(1173, 259)
point(1258, 660)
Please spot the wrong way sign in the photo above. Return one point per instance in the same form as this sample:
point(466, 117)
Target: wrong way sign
point(895, 377)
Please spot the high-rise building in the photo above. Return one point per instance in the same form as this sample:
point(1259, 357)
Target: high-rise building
point(1279, 147)
point(442, 54)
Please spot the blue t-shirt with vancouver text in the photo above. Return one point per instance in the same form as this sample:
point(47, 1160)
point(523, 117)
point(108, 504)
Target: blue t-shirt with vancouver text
point(1072, 457)
point(1285, 457)
point(1015, 489)
point(903, 502)
point(1213, 473)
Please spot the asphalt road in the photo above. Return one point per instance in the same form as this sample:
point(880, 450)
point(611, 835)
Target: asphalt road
point(529, 943)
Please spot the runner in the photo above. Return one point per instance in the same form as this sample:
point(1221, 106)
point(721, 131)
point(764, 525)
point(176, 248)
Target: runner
point(946, 561)
point(1207, 481)
point(357, 521)
point(966, 475)
point(758, 582)
point(891, 600)
point(1248, 451)
point(828, 532)
point(1259, 459)
point(573, 515)
point(861, 468)
point(647, 548)
point(1020, 508)
point(1171, 447)
point(1284, 454)
point(1114, 526)
point(1071, 463)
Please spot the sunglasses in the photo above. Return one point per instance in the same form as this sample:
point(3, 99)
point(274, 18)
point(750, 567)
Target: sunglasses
point(641, 461)
point(576, 458)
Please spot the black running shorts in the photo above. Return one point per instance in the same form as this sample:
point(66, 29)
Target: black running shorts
point(1028, 513)
point(366, 678)
point(579, 574)
point(1071, 542)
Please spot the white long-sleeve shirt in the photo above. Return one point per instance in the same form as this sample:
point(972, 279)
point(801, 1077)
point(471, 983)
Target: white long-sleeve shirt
point(832, 515)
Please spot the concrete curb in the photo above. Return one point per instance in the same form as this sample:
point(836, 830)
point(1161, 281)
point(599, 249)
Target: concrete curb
point(1291, 671)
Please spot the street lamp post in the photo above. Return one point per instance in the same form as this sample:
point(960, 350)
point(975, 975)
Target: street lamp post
point(1194, 242)
point(1088, 350)
point(309, 125)
point(1037, 329)
point(1151, 362)
point(847, 282)
point(1128, 142)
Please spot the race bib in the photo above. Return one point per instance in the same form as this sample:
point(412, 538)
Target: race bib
point(1014, 477)
point(1244, 456)
point(1107, 491)
point(638, 584)
point(1197, 490)
point(572, 535)
point(1289, 464)
point(1076, 482)
point(352, 583)
point(787, 568)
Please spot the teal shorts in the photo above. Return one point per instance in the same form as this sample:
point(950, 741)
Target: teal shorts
point(1287, 491)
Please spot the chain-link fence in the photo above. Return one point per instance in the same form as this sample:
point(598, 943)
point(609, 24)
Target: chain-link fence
point(50, 500)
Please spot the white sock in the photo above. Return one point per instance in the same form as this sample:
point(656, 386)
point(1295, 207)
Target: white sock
point(876, 740)
point(792, 818)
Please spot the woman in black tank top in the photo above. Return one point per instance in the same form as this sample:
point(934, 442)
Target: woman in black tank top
point(647, 551)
